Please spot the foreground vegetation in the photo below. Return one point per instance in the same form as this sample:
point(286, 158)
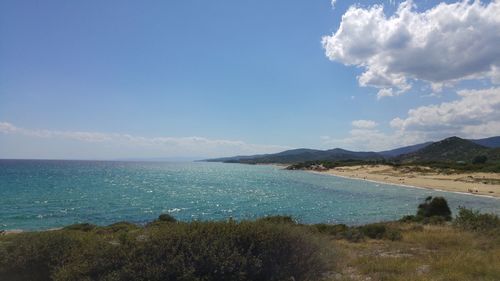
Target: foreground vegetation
point(427, 246)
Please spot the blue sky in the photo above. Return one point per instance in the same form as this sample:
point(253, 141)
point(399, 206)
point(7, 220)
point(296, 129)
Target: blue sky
point(120, 79)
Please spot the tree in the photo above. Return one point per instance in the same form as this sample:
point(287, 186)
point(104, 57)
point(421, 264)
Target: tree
point(436, 206)
point(481, 159)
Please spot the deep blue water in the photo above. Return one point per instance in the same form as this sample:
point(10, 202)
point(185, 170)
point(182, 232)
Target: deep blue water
point(47, 194)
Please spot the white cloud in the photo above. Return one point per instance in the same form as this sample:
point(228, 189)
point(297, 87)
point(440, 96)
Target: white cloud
point(165, 146)
point(6, 127)
point(475, 114)
point(333, 3)
point(364, 124)
point(442, 45)
point(363, 136)
point(386, 92)
point(373, 140)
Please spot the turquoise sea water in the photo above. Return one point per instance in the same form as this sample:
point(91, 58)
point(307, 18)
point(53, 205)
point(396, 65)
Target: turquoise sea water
point(46, 194)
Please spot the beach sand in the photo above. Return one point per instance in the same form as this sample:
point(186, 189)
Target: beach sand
point(487, 184)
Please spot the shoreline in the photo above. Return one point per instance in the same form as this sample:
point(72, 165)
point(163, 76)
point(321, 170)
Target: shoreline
point(428, 182)
point(402, 185)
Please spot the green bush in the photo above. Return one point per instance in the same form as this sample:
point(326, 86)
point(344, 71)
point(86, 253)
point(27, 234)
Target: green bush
point(480, 159)
point(205, 251)
point(35, 256)
point(340, 231)
point(475, 221)
point(436, 206)
point(166, 218)
point(278, 219)
point(353, 235)
point(393, 234)
point(410, 218)
point(374, 231)
point(431, 211)
point(380, 231)
point(434, 220)
point(357, 234)
point(161, 220)
point(336, 230)
point(81, 227)
point(118, 228)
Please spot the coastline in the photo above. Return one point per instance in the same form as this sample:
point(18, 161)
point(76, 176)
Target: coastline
point(433, 181)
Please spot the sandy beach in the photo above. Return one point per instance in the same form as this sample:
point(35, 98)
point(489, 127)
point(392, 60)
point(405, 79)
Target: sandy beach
point(486, 184)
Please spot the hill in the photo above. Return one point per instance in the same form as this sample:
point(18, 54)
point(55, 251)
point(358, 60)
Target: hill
point(404, 150)
point(452, 149)
point(493, 142)
point(301, 155)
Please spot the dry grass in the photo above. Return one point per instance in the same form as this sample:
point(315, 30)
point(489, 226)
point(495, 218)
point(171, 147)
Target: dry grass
point(428, 253)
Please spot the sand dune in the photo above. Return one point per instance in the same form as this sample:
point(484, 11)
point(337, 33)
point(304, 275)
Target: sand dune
point(474, 183)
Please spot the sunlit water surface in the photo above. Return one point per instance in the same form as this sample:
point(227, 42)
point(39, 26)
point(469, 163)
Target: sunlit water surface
point(47, 194)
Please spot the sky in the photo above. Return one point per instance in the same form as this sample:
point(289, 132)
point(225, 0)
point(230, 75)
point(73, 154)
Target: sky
point(189, 79)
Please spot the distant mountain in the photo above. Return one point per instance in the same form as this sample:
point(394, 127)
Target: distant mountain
point(301, 155)
point(404, 150)
point(448, 150)
point(493, 142)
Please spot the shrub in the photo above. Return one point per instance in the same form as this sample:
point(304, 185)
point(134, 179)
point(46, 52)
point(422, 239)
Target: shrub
point(81, 227)
point(122, 226)
point(480, 159)
point(436, 206)
point(341, 231)
point(336, 230)
point(380, 231)
point(166, 218)
point(353, 235)
point(374, 231)
point(435, 220)
point(207, 251)
point(35, 256)
point(393, 234)
point(410, 218)
point(161, 220)
point(278, 219)
point(475, 221)
point(357, 234)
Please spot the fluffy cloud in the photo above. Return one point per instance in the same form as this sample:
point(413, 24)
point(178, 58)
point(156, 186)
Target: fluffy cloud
point(475, 114)
point(364, 124)
point(373, 140)
point(442, 45)
point(165, 146)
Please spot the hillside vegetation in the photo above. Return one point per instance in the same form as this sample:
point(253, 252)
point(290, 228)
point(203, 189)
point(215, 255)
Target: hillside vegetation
point(300, 155)
point(448, 150)
point(451, 155)
point(447, 153)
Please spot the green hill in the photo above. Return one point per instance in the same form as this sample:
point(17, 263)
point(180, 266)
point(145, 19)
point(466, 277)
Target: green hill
point(452, 149)
point(301, 155)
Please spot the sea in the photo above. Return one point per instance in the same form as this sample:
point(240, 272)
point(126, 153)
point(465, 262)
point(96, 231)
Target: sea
point(42, 194)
